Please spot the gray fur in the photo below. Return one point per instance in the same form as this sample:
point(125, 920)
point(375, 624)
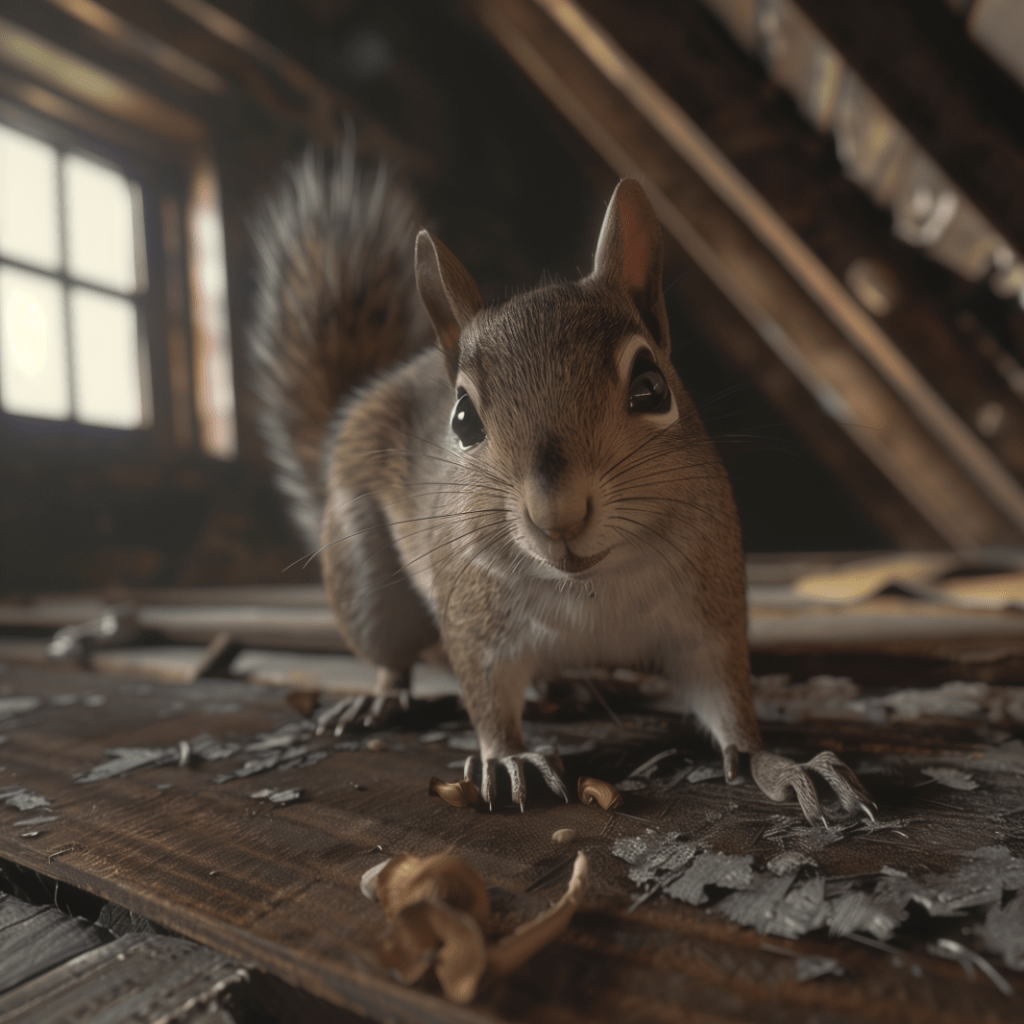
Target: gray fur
point(335, 303)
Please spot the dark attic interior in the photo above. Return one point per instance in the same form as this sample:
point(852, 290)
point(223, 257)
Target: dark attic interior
point(209, 810)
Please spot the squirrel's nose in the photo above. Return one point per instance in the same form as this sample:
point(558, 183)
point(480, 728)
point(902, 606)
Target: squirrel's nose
point(560, 513)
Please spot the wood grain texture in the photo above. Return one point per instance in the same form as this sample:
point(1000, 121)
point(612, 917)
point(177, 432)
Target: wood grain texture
point(278, 886)
point(151, 978)
point(35, 939)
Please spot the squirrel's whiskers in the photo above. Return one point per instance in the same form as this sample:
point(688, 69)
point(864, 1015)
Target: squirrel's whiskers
point(535, 489)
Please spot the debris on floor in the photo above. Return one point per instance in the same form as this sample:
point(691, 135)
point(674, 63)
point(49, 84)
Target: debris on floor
point(22, 799)
point(439, 913)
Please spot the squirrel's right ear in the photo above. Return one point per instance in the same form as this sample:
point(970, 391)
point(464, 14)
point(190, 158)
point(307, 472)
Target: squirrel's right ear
point(449, 294)
point(630, 255)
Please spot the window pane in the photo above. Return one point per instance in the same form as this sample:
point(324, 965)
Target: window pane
point(100, 224)
point(33, 363)
point(29, 229)
point(105, 348)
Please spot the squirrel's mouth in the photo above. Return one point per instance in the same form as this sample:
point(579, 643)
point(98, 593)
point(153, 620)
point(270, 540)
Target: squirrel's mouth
point(576, 563)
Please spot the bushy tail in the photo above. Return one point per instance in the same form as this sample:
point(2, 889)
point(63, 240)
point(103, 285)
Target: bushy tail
point(335, 303)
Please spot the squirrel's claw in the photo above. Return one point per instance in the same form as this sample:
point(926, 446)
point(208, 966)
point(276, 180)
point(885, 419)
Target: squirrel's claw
point(364, 712)
point(547, 762)
point(776, 776)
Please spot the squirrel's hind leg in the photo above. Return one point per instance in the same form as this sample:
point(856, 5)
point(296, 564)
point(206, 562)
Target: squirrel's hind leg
point(381, 616)
point(368, 711)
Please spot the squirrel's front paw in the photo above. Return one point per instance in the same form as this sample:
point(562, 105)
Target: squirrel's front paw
point(546, 761)
point(363, 712)
point(776, 776)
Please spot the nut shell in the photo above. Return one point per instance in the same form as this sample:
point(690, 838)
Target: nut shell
point(597, 792)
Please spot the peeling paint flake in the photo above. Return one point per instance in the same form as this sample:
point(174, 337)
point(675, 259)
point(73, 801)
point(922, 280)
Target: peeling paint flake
point(978, 882)
point(951, 777)
point(126, 759)
point(724, 870)
point(22, 799)
point(1003, 932)
point(777, 906)
point(11, 706)
point(208, 748)
point(856, 911)
point(41, 820)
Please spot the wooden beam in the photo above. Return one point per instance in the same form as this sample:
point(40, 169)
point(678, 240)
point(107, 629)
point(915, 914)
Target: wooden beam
point(87, 83)
point(799, 309)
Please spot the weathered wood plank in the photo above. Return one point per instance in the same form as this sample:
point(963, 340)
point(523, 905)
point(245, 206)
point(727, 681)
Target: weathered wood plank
point(151, 978)
point(14, 911)
point(36, 939)
point(278, 886)
point(298, 618)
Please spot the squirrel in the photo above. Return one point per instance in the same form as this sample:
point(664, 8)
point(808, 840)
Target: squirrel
point(534, 489)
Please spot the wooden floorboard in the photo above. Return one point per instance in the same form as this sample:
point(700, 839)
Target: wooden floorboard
point(39, 941)
point(277, 886)
point(135, 978)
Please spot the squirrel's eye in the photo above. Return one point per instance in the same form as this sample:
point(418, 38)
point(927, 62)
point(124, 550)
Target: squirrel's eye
point(466, 421)
point(648, 389)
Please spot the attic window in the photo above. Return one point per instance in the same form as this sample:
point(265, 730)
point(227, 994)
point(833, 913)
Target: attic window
point(72, 276)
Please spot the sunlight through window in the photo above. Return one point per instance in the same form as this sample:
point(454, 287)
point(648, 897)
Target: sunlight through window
point(71, 272)
point(29, 203)
point(104, 342)
point(33, 358)
point(100, 225)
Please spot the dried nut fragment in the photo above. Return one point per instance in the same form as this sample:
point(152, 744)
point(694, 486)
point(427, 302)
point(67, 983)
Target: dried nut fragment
point(459, 794)
point(563, 835)
point(304, 701)
point(376, 744)
point(595, 791)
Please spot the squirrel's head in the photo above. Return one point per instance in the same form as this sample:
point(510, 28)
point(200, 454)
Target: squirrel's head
point(565, 399)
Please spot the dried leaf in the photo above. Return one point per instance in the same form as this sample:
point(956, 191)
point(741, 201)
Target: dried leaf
point(410, 944)
point(407, 879)
point(439, 910)
point(459, 794)
point(511, 952)
point(563, 835)
point(599, 793)
point(435, 934)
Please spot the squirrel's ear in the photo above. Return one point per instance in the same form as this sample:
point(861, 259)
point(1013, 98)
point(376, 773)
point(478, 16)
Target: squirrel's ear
point(449, 294)
point(630, 255)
